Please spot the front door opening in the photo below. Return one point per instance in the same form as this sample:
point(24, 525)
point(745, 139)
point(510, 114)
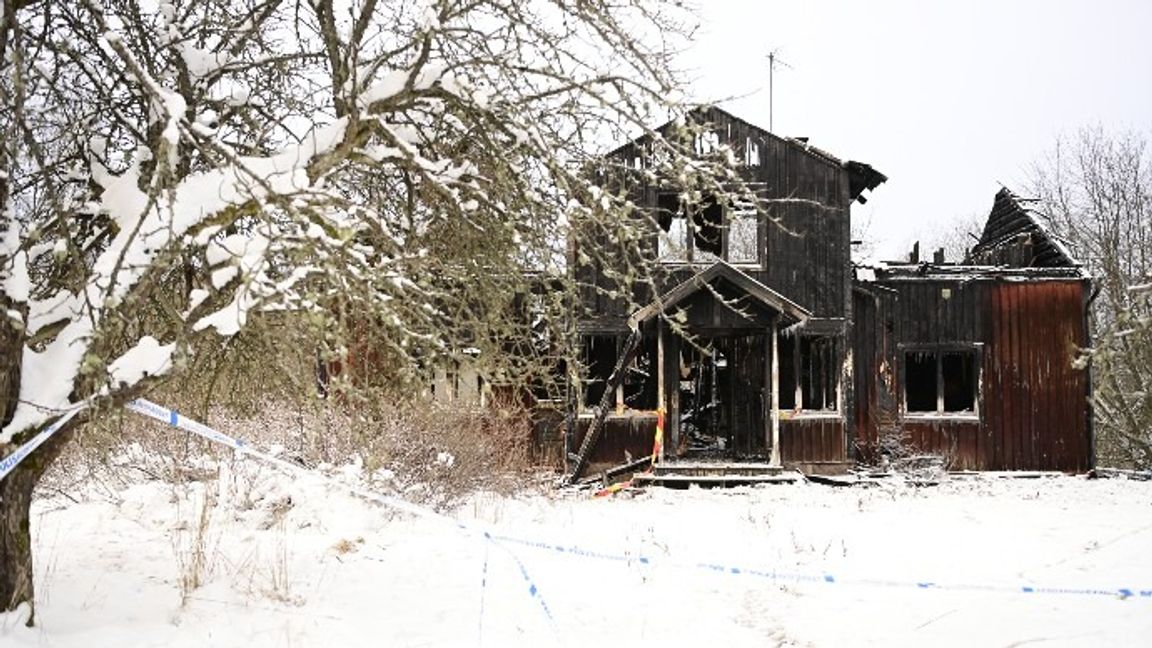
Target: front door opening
point(721, 390)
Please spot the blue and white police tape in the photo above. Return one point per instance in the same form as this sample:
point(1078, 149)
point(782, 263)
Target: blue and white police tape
point(9, 463)
point(822, 577)
point(173, 418)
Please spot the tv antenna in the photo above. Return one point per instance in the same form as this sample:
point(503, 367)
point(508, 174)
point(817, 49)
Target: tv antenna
point(773, 61)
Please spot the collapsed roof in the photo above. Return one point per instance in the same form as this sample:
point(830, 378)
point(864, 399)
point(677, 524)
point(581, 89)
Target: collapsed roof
point(1017, 236)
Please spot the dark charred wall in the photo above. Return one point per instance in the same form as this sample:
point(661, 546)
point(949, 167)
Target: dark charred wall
point(813, 444)
point(625, 437)
point(1031, 404)
point(803, 242)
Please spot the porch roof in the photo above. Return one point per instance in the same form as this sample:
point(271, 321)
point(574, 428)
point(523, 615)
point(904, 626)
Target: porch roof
point(711, 278)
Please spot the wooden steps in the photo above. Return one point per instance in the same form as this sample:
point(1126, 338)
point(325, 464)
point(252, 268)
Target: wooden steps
point(682, 474)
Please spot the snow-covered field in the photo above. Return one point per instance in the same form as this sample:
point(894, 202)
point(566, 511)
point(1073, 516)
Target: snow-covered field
point(284, 562)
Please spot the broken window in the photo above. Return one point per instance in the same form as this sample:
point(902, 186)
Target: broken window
point(673, 246)
point(818, 373)
point(696, 232)
point(809, 373)
point(786, 354)
point(706, 142)
point(940, 382)
point(638, 384)
point(707, 224)
point(600, 359)
point(920, 381)
point(751, 153)
point(743, 234)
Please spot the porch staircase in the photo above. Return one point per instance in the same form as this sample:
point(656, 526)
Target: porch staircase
point(682, 474)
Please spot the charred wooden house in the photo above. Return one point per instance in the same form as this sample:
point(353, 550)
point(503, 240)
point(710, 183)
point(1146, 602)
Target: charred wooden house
point(760, 341)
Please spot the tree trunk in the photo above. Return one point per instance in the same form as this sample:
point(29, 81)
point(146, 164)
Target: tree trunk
point(16, 567)
point(16, 585)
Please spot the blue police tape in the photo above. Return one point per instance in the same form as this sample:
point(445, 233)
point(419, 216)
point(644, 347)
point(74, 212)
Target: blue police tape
point(168, 416)
point(9, 463)
point(173, 418)
point(794, 576)
point(483, 595)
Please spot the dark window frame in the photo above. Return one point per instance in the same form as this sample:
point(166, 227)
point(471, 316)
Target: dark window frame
point(797, 387)
point(693, 227)
point(938, 352)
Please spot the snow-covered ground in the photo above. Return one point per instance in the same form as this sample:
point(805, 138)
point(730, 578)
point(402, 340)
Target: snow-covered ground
point(285, 562)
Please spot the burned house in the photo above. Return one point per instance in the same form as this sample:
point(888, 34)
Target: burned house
point(758, 340)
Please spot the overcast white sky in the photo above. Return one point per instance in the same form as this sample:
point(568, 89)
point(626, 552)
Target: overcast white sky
point(948, 99)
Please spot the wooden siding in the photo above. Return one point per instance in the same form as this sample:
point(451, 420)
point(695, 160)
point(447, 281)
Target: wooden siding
point(804, 253)
point(1032, 405)
point(1038, 419)
point(815, 440)
point(628, 435)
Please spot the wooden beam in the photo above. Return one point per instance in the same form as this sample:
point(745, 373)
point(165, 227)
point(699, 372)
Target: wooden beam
point(661, 369)
point(597, 425)
point(615, 471)
point(774, 458)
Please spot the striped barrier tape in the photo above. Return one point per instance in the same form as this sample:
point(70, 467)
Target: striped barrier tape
point(821, 577)
point(9, 463)
point(657, 448)
point(175, 419)
point(499, 540)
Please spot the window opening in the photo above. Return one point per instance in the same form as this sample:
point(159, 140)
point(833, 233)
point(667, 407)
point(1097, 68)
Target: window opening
point(706, 232)
point(600, 360)
point(743, 234)
point(959, 371)
point(640, 381)
point(751, 153)
point(707, 142)
point(673, 245)
point(707, 221)
point(920, 381)
point(940, 382)
point(786, 355)
point(809, 373)
point(818, 368)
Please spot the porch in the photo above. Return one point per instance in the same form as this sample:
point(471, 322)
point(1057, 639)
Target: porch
point(710, 355)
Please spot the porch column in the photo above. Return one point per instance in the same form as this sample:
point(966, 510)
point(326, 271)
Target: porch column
point(661, 392)
point(774, 368)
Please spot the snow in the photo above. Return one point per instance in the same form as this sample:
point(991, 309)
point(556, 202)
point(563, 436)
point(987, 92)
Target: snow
point(394, 82)
point(300, 563)
point(147, 358)
point(17, 285)
point(14, 278)
point(202, 62)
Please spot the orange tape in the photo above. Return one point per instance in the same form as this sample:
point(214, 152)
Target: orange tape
point(657, 445)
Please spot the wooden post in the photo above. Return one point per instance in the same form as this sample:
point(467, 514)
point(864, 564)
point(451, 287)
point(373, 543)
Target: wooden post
point(620, 385)
point(672, 369)
point(774, 459)
point(661, 369)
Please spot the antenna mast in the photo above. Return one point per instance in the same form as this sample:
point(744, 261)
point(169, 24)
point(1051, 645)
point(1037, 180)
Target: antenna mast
point(773, 60)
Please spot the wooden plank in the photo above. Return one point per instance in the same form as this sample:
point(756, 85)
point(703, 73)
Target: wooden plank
point(772, 367)
point(595, 429)
point(616, 471)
